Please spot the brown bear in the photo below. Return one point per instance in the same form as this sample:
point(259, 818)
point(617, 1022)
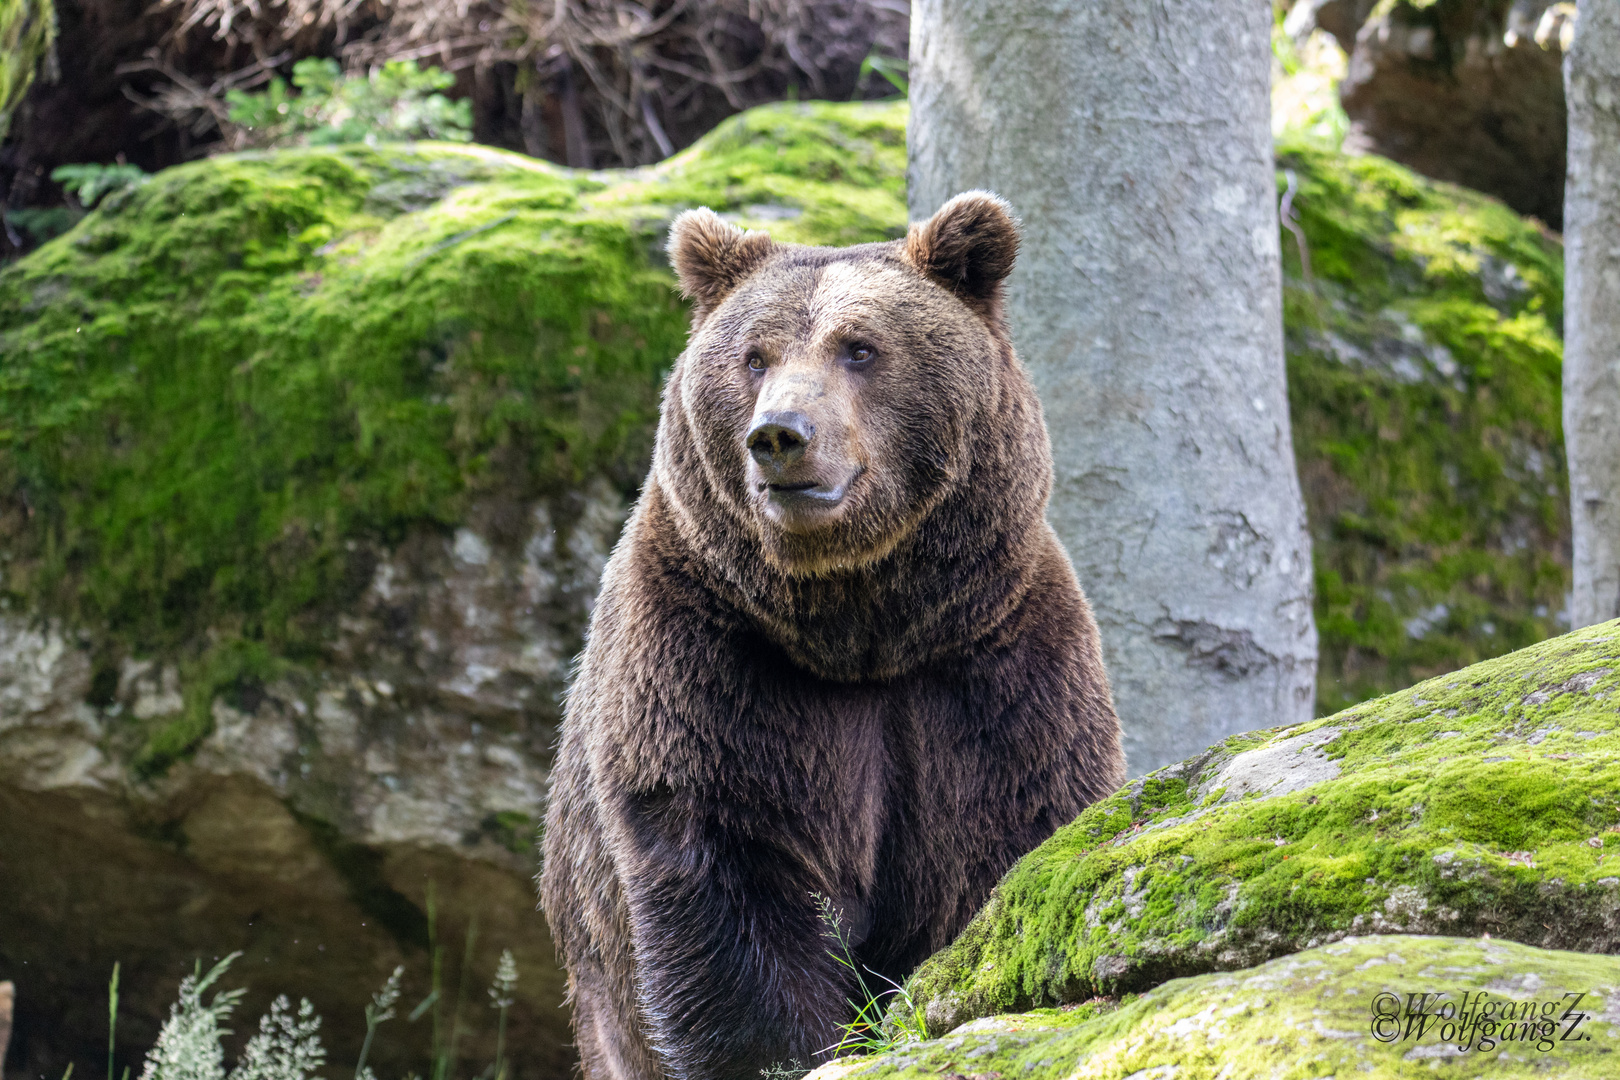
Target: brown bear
point(838, 652)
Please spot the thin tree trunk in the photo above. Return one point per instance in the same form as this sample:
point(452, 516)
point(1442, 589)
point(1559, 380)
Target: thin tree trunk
point(1134, 139)
point(532, 119)
point(577, 146)
point(1592, 308)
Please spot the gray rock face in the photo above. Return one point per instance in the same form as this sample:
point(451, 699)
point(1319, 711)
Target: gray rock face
point(1277, 768)
point(1468, 91)
point(308, 827)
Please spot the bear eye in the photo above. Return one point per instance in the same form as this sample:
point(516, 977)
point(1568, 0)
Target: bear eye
point(861, 355)
point(756, 360)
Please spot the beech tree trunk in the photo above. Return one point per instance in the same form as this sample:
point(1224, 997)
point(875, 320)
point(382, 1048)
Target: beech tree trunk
point(1592, 309)
point(1133, 138)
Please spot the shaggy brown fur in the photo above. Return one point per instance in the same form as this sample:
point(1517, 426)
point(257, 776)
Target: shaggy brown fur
point(838, 651)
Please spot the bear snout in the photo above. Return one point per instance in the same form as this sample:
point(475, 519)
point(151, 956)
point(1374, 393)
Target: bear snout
point(778, 439)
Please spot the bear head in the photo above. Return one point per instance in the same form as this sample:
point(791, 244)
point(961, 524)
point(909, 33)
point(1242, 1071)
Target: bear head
point(830, 400)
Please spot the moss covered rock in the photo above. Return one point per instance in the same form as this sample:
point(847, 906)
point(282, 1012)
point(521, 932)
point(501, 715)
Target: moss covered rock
point(1485, 801)
point(227, 389)
point(1424, 363)
point(1382, 1007)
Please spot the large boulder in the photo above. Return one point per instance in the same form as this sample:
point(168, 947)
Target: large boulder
point(1469, 91)
point(1382, 1007)
point(1485, 802)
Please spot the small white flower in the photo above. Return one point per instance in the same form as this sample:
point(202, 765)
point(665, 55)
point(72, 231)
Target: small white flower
point(286, 1047)
point(382, 1002)
point(188, 1046)
point(506, 978)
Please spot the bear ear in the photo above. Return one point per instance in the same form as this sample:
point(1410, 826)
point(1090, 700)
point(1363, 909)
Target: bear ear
point(712, 257)
point(968, 246)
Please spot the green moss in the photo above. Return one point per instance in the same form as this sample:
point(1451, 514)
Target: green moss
point(816, 173)
point(1486, 801)
point(514, 830)
point(230, 669)
point(1424, 366)
point(1312, 1015)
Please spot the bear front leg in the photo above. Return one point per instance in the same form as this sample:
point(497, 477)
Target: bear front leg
point(734, 964)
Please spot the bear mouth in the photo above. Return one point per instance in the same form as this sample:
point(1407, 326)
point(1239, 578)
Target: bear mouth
point(813, 490)
point(802, 502)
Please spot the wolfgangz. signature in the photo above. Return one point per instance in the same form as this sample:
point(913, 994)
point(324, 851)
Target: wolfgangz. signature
point(1480, 1021)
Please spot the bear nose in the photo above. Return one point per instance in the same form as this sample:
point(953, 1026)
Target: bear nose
point(780, 438)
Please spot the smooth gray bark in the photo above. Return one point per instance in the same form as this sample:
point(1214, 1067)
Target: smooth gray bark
point(1592, 308)
point(1133, 137)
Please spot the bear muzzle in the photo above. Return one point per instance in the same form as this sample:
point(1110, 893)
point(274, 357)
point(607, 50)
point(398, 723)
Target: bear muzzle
point(803, 485)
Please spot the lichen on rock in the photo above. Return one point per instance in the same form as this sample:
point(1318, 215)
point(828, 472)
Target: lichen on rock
point(1384, 1007)
point(1486, 801)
